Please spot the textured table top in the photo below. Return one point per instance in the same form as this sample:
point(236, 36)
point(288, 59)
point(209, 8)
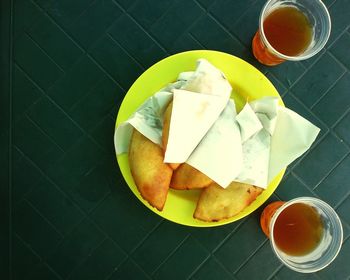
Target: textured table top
point(65, 68)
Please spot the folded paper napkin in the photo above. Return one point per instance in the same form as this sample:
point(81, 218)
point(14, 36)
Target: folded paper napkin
point(207, 133)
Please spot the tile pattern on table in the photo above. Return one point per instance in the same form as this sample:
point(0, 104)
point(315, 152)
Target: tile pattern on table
point(73, 216)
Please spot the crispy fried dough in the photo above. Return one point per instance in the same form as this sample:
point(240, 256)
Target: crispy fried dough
point(166, 127)
point(151, 175)
point(216, 203)
point(187, 177)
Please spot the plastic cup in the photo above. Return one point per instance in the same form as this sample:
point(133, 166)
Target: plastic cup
point(320, 21)
point(326, 250)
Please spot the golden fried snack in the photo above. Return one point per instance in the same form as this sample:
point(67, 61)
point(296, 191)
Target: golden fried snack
point(165, 135)
point(151, 175)
point(187, 177)
point(216, 203)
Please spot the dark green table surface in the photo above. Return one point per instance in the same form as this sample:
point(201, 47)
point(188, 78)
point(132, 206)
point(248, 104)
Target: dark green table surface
point(67, 212)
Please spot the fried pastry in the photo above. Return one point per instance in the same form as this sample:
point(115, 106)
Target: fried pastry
point(186, 177)
point(216, 203)
point(151, 175)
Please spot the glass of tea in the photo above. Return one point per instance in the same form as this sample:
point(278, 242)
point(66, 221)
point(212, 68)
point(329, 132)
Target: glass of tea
point(291, 30)
point(305, 233)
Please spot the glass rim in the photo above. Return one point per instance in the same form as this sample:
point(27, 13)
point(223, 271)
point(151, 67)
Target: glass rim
point(303, 199)
point(287, 57)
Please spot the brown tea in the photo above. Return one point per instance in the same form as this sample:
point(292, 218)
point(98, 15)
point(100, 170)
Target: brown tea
point(298, 229)
point(288, 31)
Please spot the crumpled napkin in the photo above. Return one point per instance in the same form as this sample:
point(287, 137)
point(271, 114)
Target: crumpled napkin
point(277, 139)
point(147, 119)
point(207, 133)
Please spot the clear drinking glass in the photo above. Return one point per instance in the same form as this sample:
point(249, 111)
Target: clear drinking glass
point(330, 242)
point(319, 19)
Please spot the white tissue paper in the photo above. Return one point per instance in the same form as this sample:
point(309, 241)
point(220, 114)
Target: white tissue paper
point(284, 136)
point(148, 119)
point(192, 116)
point(206, 132)
point(219, 154)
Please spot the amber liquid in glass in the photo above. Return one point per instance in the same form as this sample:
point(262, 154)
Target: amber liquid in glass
point(288, 31)
point(298, 229)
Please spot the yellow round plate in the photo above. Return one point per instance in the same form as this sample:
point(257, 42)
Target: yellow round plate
point(248, 84)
